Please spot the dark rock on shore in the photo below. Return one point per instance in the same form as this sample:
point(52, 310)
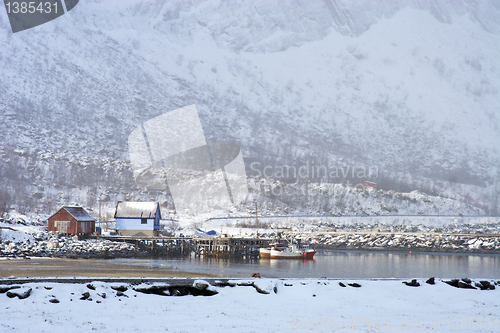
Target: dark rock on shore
point(201, 285)
point(355, 285)
point(156, 290)
point(413, 283)
point(198, 289)
point(453, 283)
point(19, 294)
point(431, 281)
point(485, 285)
point(463, 284)
point(260, 290)
point(233, 284)
point(5, 289)
point(85, 296)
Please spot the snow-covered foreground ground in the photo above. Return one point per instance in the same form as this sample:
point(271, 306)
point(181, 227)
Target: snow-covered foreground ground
point(291, 305)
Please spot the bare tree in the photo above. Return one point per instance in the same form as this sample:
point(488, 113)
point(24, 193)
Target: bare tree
point(170, 229)
point(106, 219)
point(92, 197)
point(174, 226)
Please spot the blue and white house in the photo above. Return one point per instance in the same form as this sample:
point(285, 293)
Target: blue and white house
point(137, 218)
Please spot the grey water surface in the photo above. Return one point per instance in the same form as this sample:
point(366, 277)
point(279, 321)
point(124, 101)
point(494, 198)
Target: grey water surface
point(341, 264)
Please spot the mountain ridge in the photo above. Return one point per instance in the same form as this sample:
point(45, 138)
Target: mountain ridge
point(411, 87)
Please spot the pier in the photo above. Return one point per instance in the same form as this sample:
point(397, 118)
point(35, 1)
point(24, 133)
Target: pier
point(218, 247)
point(229, 247)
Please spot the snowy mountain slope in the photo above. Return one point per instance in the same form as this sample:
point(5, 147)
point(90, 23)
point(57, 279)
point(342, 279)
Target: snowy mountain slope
point(409, 87)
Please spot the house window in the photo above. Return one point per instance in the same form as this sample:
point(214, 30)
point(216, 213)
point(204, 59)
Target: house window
point(62, 226)
point(144, 221)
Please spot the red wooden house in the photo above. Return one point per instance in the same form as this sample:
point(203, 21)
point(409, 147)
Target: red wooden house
point(72, 220)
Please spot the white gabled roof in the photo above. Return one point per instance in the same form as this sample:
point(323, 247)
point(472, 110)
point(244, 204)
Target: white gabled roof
point(130, 209)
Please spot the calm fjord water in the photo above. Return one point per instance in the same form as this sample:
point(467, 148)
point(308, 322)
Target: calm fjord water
point(341, 264)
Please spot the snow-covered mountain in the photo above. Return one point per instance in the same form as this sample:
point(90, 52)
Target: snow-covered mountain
point(408, 87)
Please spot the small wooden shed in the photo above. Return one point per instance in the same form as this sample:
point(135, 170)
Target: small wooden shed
point(72, 220)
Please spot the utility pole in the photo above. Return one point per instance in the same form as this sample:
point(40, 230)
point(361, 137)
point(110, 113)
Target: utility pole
point(256, 220)
point(100, 211)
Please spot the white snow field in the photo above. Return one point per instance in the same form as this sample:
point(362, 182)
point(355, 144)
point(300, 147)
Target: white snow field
point(318, 305)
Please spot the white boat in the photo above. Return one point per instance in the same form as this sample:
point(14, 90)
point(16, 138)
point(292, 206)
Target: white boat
point(280, 251)
point(265, 252)
point(292, 252)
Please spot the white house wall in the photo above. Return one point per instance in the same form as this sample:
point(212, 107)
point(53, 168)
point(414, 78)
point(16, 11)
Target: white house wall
point(134, 224)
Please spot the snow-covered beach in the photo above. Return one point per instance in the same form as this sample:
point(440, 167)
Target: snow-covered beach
point(242, 305)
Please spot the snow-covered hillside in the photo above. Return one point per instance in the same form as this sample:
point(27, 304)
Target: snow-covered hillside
point(408, 87)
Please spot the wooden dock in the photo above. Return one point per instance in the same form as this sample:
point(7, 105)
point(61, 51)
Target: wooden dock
point(229, 247)
point(219, 247)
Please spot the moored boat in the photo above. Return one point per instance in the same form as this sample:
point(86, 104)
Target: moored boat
point(265, 252)
point(292, 252)
point(308, 252)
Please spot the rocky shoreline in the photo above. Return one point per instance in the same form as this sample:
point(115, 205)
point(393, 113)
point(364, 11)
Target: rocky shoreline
point(68, 247)
point(409, 250)
point(445, 243)
point(43, 244)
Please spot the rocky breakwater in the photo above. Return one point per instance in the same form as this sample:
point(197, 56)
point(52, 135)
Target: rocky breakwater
point(460, 243)
point(69, 247)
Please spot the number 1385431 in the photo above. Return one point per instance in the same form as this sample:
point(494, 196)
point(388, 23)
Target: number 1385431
point(31, 7)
